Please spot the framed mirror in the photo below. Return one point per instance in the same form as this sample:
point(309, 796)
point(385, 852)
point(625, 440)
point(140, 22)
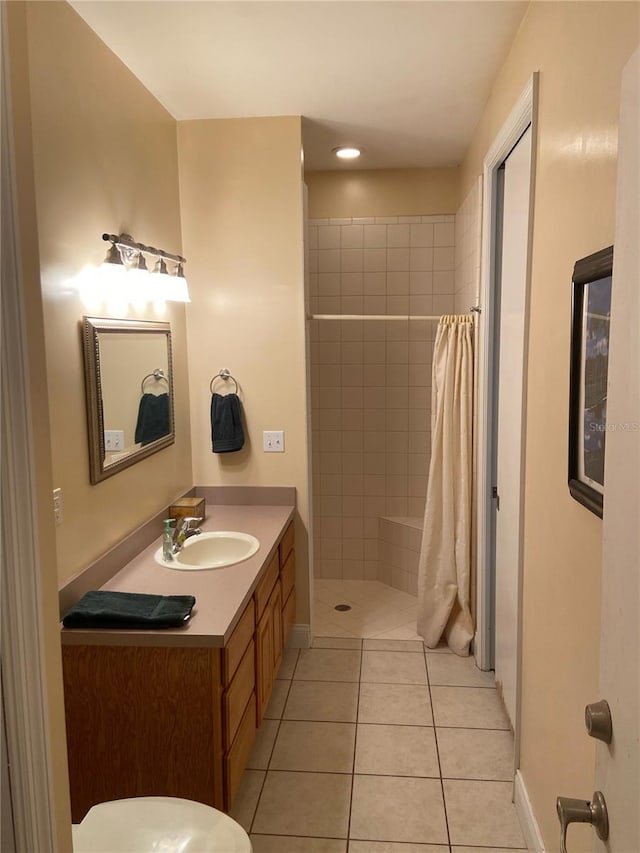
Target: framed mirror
point(129, 388)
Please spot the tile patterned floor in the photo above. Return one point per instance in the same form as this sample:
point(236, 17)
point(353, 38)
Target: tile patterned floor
point(377, 610)
point(349, 760)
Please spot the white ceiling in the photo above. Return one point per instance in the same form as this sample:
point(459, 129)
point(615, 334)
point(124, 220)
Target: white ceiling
point(406, 81)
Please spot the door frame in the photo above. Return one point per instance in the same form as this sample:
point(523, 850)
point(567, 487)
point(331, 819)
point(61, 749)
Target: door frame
point(522, 115)
point(23, 686)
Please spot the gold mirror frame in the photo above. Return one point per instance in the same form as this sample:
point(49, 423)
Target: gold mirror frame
point(92, 328)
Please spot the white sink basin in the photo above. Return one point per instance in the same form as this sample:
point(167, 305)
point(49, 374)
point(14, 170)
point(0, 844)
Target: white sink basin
point(211, 551)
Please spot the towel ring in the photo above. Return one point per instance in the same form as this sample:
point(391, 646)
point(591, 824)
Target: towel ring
point(158, 373)
point(223, 374)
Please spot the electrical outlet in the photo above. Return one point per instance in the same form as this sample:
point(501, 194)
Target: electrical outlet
point(114, 439)
point(57, 506)
point(273, 441)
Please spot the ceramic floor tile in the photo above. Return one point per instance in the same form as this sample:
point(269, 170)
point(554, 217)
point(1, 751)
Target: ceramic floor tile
point(329, 630)
point(393, 645)
point(400, 704)
point(244, 805)
point(336, 643)
point(328, 665)
point(291, 844)
point(288, 665)
point(331, 701)
point(263, 745)
point(393, 668)
point(481, 813)
point(476, 754)
point(468, 708)
point(278, 699)
point(483, 849)
point(439, 649)
point(455, 671)
point(392, 808)
point(402, 632)
point(304, 804)
point(386, 619)
point(396, 751)
point(317, 747)
point(393, 847)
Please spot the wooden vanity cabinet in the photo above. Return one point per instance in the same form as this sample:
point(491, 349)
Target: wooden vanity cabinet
point(176, 721)
point(287, 562)
point(142, 721)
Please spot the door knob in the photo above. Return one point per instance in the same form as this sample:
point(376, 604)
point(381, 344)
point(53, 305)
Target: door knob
point(582, 811)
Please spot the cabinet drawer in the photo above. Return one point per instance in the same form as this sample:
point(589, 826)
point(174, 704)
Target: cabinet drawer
point(288, 575)
point(237, 757)
point(288, 615)
point(263, 590)
point(234, 650)
point(237, 695)
point(286, 543)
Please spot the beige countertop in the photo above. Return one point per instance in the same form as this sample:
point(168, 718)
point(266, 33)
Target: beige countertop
point(221, 594)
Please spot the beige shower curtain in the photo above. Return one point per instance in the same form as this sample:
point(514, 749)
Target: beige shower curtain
point(445, 555)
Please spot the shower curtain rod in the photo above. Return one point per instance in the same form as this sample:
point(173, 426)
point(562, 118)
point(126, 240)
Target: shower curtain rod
point(474, 310)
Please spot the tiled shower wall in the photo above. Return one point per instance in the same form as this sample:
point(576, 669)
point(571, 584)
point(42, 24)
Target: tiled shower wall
point(468, 234)
point(371, 379)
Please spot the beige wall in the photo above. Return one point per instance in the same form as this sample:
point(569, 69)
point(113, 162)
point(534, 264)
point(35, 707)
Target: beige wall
point(580, 49)
point(242, 217)
point(382, 192)
point(105, 159)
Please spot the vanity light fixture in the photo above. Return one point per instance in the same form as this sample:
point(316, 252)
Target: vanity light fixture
point(347, 152)
point(126, 255)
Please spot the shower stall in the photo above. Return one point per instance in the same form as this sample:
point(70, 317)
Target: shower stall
point(376, 289)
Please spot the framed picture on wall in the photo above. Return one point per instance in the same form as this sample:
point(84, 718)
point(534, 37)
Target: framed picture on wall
point(590, 322)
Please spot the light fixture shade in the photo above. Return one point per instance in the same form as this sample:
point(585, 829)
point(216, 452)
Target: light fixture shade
point(113, 257)
point(161, 282)
point(178, 289)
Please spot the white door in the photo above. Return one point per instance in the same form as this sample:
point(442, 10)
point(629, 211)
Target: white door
point(618, 765)
point(513, 288)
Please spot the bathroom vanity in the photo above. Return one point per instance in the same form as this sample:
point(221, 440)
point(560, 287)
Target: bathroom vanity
point(175, 712)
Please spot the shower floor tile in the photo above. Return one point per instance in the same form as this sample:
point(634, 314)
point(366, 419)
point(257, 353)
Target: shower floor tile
point(376, 611)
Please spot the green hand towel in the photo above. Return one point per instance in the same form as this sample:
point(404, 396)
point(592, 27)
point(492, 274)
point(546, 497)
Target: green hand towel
point(105, 609)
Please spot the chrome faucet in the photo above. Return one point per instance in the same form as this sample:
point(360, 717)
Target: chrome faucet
point(183, 530)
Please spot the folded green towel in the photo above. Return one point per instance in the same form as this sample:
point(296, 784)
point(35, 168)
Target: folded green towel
point(105, 609)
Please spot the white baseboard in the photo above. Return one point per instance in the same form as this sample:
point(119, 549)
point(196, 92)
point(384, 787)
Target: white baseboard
point(528, 822)
point(300, 637)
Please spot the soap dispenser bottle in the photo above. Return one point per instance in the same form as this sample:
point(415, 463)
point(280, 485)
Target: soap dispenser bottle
point(167, 539)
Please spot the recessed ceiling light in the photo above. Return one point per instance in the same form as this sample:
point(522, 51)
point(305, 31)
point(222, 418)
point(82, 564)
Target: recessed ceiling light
point(347, 152)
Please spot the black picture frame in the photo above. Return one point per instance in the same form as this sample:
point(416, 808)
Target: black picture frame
point(590, 323)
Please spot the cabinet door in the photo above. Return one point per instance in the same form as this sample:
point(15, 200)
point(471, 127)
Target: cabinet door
point(278, 634)
point(269, 645)
point(264, 662)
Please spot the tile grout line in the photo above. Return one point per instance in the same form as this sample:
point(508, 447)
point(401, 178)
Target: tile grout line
point(266, 772)
point(355, 747)
point(435, 735)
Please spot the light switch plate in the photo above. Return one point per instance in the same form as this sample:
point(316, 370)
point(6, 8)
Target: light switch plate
point(114, 439)
point(57, 506)
point(273, 441)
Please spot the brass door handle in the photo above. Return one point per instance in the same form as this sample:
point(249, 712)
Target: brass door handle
point(582, 811)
